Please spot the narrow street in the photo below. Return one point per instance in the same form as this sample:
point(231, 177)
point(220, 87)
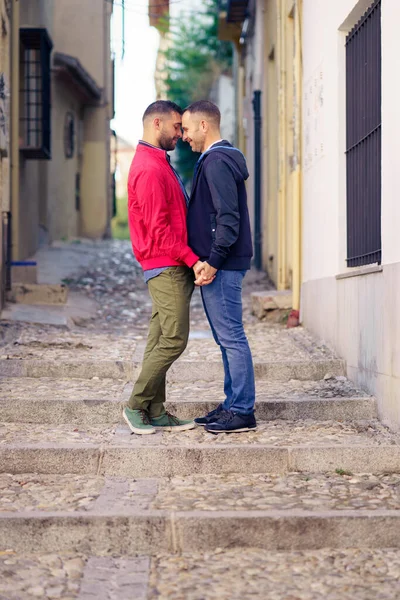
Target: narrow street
point(303, 508)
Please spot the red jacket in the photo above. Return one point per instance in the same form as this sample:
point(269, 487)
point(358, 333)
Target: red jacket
point(157, 212)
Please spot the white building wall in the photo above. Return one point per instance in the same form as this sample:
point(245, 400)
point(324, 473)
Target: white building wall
point(358, 315)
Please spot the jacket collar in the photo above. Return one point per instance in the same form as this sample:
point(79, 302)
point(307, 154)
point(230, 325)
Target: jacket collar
point(200, 162)
point(150, 149)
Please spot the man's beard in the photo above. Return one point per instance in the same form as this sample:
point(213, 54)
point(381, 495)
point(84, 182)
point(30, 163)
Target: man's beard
point(166, 142)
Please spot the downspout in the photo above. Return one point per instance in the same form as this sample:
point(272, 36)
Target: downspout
point(281, 66)
point(297, 126)
point(257, 179)
point(13, 224)
point(106, 104)
point(241, 81)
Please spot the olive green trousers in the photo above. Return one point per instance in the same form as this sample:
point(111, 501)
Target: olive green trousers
point(171, 292)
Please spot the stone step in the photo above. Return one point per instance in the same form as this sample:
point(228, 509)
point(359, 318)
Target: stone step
point(181, 371)
point(198, 513)
point(256, 574)
point(276, 447)
point(94, 411)
point(51, 400)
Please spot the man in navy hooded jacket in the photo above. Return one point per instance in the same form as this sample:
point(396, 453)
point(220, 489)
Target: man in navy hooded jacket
point(219, 233)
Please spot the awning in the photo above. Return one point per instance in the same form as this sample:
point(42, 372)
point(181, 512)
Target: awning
point(70, 69)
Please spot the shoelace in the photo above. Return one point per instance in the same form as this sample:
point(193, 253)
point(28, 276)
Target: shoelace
point(172, 419)
point(145, 417)
point(226, 417)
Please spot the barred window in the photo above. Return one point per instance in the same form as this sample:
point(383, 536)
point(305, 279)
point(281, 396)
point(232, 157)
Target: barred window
point(363, 153)
point(35, 126)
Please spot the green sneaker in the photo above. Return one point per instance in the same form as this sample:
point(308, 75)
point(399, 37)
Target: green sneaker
point(168, 422)
point(138, 421)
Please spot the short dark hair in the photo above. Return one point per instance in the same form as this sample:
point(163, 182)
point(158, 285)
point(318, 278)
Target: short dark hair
point(207, 108)
point(162, 107)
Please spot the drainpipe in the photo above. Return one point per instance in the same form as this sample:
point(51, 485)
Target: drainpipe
point(257, 179)
point(297, 96)
point(281, 66)
point(13, 224)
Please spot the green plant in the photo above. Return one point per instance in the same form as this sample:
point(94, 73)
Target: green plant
point(119, 224)
point(343, 472)
point(194, 59)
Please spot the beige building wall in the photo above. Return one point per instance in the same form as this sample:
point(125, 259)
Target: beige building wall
point(61, 215)
point(355, 310)
point(80, 29)
point(37, 13)
point(44, 191)
point(87, 37)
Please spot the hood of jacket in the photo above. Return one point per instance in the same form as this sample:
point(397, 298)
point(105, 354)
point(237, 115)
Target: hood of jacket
point(235, 158)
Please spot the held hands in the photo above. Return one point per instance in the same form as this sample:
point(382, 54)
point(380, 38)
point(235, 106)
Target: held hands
point(205, 273)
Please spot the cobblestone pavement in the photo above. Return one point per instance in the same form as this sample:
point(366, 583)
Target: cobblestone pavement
point(274, 433)
point(114, 280)
point(352, 574)
point(27, 492)
point(268, 342)
point(311, 491)
point(40, 576)
point(210, 391)
point(60, 389)
point(360, 574)
point(73, 576)
point(280, 433)
point(336, 387)
point(117, 333)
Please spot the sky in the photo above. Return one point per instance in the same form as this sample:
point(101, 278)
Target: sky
point(134, 80)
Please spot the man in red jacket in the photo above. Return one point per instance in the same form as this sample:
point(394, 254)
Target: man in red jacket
point(157, 207)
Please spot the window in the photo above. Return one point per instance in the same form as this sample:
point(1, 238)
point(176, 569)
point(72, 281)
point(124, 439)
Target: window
point(35, 93)
point(69, 135)
point(363, 132)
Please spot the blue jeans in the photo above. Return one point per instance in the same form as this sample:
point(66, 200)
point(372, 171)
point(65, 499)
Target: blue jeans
point(222, 300)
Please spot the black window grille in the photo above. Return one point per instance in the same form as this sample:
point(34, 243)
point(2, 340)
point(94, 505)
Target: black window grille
point(35, 130)
point(363, 144)
point(78, 191)
point(69, 135)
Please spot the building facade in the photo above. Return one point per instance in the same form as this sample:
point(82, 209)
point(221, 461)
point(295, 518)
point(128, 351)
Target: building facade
point(321, 75)
point(61, 104)
point(266, 37)
point(351, 212)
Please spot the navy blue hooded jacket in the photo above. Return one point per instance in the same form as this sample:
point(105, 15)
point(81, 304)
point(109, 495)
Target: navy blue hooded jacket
point(218, 217)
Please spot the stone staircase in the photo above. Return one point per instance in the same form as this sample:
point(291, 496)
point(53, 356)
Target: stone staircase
point(88, 510)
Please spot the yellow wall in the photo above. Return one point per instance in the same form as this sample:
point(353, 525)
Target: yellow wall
point(95, 210)
point(280, 157)
point(270, 144)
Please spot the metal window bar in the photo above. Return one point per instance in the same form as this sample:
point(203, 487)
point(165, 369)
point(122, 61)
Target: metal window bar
point(35, 95)
point(363, 143)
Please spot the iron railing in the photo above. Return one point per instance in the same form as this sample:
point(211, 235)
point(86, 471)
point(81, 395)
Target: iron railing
point(363, 143)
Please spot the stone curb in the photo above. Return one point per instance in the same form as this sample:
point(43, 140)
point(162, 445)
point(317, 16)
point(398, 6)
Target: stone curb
point(162, 461)
point(89, 411)
point(183, 371)
point(157, 531)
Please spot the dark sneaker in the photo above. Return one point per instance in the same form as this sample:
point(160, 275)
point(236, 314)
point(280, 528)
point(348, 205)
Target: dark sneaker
point(230, 422)
point(168, 422)
point(138, 421)
point(211, 417)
